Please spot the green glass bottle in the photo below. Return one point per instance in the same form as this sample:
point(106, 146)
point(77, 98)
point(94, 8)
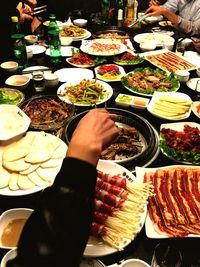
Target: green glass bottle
point(19, 45)
point(105, 7)
point(54, 39)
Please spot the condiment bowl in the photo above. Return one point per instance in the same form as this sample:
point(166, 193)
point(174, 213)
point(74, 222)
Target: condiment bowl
point(80, 22)
point(18, 81)
point(31, 39)
point(9, 217)
point(66, 40)
point(134, 263)
point(183, 75)
point(147, 46)
point(11, 66)
point(51, 79)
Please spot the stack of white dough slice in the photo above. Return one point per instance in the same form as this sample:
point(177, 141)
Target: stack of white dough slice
point(33, 160)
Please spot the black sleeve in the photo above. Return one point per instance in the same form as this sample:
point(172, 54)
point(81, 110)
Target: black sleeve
point(57, 231)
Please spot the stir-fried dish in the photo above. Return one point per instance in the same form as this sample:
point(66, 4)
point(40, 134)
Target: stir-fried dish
point(72, 31)
point(87, 92)
point(81, 59)
point(147, 81)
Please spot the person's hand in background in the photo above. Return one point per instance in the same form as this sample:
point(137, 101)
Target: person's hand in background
point(154, 3)
point(95, 131)
point(24, 12)
point(196, 43)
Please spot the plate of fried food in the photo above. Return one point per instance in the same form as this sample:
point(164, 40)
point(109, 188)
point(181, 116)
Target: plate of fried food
point(179, 141)
point(146, 81)
point(170, 105)
point(169, 209)
point(30, 163)
point(81, 60)
point(76, 32)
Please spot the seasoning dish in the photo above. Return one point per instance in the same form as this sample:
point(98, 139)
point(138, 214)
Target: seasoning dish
point(147, 46)
point(183, 75)
point(51, 79)
point(11, 66)
point(11, 224)
point(18, 81)
point(66, 40)
point(80, 22)
point(133, 101)
point(31, 39)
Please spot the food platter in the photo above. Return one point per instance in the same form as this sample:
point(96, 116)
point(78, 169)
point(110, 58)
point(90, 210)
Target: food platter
point(148, 75)
point(151, 228)
point(105, 92)
point(167, 115)
point(76, 32)
point(73, 74)
point(48, 173)
point(195, 105)
point(97, 248)
point(158, 38)
point(102, 47)
point(168, 60)
point(69, 61)
point(66, 51)
point(11, 96)
point(128, 58)
point(112, 33)
point(109, 72)
point(178, 142)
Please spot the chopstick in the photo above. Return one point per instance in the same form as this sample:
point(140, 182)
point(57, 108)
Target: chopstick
point(30, 71)
point(138, 20)
point(39, 9)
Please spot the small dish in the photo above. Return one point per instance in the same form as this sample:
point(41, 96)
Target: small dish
point(147, 46)
point(31, 39)
point(10, 66)
point(80, 22)
point(51, 79)
point(194, 84)
point(66, 40)
point(196, 108)
point(134, 263)
point(8, 222)
point(37, 49)
point(11, 96)
point(109, 72)
point(18, 81)
point(13, 121)
point(183, 75)
point(151, 19)
point(133, 101)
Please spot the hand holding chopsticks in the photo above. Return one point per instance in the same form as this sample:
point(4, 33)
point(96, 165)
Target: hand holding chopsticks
point(38, 10)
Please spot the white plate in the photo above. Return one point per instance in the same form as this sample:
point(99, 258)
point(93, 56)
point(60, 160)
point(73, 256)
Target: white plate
point(32, 68)
point(162, 60)
point(37, 49)
point(86, 47)
point(165, 23)
point(149, 228)
point(86, 36)
point(78, 65)
point(100, 77)
point(103, 249)
point(123, 63)
point(66, 51)
point(7, 192)
point(106, 86)
point(192, 83)
point(13, 121)
point(177, 126)
point(59, 23)
point(73, 74)
point(155, 97)
point(194, 108)
point(158, 38)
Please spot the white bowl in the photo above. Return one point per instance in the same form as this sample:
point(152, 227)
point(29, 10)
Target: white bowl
point(147, 46)
point(10, 215)
point(134, 263)
point(183, 75)
point(80, 22)
point(18, 81)
point(66, 40)
point(51, 79)
point(31, 39)
point(151, 19)
point(11, 254)
point(11, 66)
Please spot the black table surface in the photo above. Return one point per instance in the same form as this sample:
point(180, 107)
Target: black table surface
point(141, 247)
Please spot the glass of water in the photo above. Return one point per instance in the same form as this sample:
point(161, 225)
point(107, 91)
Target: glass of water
point(38, 81)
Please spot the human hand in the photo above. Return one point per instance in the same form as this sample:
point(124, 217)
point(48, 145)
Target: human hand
point(95, 131)
point(155, 10)
point(196, 43)
point(24, 11)
point(154, 3)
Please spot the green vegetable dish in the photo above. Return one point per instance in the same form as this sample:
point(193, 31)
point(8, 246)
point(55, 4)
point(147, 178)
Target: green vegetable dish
point(146, 81)
point(128, 59)
point(11, 96)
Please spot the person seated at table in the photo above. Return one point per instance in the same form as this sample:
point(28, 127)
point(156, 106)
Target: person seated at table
point(196, 43)
point(184, 14)
point(16, 8)
point(57, 231)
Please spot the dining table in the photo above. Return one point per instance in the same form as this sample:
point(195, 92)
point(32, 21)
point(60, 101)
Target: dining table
point(141, 247)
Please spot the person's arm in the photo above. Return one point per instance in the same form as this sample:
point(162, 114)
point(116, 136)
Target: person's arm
point(57, 231)
point(188, 27)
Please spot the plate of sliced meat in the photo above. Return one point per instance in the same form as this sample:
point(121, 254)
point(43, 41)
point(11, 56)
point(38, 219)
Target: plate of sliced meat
point(174, 208)
point(168, 60)
point(120, 212)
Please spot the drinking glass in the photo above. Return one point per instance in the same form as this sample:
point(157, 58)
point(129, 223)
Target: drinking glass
point(166, 256)
point(38, 81)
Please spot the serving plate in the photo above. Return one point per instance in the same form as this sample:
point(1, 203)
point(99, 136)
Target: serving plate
point(79, 65)
point(112, 33)
point(83, 101)
point(66, 51)
point(158, 38)
point(130, 82)
point(73, 74)
point(97, 248)
point(188, 156)
point(76, 32)
point(11, 96)
point(37, 49)
point(194, 84)
point(107, 75)
point(128, 58)
point(150, 227)
point(58, 156)
point(195, 105)
point(175, 95)
point(102, 47)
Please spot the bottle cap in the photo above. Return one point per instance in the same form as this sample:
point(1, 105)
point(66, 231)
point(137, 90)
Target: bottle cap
point(14, 19)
